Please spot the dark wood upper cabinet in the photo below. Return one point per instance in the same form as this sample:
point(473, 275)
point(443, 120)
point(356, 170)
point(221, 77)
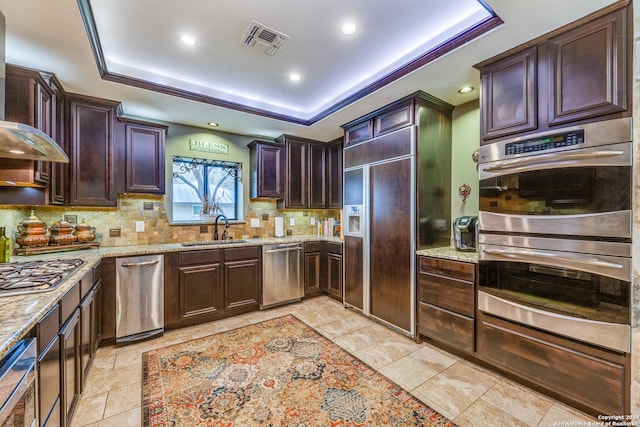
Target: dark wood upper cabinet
point(509, 101)
point(577, 74)
point(92, 172)
point(334, 174)
point(588, 70)
point(59, 171)
point(295, 186)
point(267, 168)
point(145, 160)
point(316, 176)
point(29, 100)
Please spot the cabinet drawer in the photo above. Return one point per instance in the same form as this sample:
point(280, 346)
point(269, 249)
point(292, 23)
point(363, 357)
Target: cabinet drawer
point(445, 326)
point(334, 248)
point(251, 252)
point(452, 294)
point(445, 267)
point(583, 374)
point(312, 246)
point(48, 327)
point(69, 302)
point(199, 257)
point(86, 283)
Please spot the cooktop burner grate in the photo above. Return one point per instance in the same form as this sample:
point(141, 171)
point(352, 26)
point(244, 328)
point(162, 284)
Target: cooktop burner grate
point(34, 276)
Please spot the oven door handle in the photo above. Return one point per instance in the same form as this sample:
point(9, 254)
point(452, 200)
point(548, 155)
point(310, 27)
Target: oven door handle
point(521, 254)
point(544, 161)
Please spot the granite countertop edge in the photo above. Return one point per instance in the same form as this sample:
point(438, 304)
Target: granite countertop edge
point(450, 253)
point(19, 314)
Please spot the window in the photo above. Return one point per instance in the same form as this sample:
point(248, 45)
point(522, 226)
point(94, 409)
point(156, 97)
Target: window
point(203, 188)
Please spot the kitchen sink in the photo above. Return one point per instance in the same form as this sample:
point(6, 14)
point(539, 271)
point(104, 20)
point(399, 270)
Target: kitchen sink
point(213, 242)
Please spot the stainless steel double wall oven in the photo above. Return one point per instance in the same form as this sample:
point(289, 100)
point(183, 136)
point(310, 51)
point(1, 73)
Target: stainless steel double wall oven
point(555, 232)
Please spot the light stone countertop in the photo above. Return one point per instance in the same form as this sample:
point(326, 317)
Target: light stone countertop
point(450, 253)
point(19, 314)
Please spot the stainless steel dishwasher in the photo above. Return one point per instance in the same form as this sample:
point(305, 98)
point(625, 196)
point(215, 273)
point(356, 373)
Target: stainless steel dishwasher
point(139, 298)
point(282, 273)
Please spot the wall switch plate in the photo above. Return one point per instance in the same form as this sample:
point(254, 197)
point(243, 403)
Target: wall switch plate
point(255, 223)
point(305, 213)
point(147, 206)
point(292, 221)
point(312, 221)
point(204, 229)
point(289, 232)
point(139, 226)
point(265, 217)
point(114, 232)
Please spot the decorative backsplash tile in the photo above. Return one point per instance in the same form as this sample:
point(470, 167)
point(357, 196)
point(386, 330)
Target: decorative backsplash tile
point(157, 227)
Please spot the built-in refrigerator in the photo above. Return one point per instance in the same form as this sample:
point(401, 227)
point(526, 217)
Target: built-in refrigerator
point(379, 250)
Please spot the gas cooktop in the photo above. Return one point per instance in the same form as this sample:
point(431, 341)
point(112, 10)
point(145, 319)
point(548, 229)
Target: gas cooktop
point(34, 276)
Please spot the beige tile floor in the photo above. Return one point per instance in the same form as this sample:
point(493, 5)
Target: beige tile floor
point(465, 393)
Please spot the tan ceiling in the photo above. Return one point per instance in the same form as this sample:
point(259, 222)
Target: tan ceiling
point(139, 39)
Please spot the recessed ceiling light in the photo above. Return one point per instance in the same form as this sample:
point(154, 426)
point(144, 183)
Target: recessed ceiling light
point(465, 89)
point(213, 124)
point(294, 77)
point(349, 28)
point(187, 40)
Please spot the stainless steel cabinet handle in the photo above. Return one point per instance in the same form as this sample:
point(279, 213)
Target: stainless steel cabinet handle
point(522, 254)
point(548, 160)
point(139, 264)
point(288, 249)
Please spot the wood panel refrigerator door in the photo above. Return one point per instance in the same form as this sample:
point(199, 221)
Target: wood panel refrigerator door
point(390, 235)
point(353, 271)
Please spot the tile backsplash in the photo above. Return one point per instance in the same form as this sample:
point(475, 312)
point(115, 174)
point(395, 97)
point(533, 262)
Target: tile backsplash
point(157, 227)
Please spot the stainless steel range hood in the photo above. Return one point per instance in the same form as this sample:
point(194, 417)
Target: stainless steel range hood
point(18, 140)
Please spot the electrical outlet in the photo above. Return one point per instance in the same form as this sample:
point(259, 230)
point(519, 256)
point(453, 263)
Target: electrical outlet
point(312, 221)
point(305, 213)
point(255, 223)
point(265, 217)
point(292, 221)
point(289, 232)
point(204, 229)
point(147, 206)
point(114, 232)
point(139, 226)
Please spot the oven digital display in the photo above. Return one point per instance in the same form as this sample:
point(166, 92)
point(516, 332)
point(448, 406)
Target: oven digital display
point(545, 143)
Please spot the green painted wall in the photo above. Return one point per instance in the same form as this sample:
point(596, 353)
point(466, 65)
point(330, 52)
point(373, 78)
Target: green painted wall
point(465, 140)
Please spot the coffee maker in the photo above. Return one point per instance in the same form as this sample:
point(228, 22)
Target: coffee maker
point(465, 233)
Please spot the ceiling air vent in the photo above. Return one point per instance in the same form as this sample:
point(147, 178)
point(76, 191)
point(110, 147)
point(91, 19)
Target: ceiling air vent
point(265, 39)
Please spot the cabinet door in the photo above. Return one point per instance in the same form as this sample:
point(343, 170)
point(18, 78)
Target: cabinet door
point(144, 159)
point(296, 186)
point(44, 100)
point(358, 133)
point(334, 274)
point(59, 171)
point(49, 369)
point(312, 283)
point(96, 318)
point(92, 180)
point(267, 170)
point(86, 353)
point(508, 97)
point(334, 174)
point(353, 271)
point(200, 290)
point(242, 278)
point(588, 66)
point(316, 175)
point(70, 370)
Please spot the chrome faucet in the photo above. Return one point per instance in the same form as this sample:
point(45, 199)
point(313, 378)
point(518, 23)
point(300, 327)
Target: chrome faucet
point(215, 227)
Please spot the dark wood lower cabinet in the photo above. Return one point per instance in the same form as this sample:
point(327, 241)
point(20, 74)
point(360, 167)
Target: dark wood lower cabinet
point(334, 270)
point(201, 286)
point(592, 379)
point(242, 279)
point(313, 254)
point(48, 365)
point(85, 347)
point(70, 369)
point(353, 274)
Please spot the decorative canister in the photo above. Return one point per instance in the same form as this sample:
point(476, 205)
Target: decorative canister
point(61, 233)
point(33, 233)
point(84, 233)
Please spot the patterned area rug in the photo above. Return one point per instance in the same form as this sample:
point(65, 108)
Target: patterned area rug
point(276, 373)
